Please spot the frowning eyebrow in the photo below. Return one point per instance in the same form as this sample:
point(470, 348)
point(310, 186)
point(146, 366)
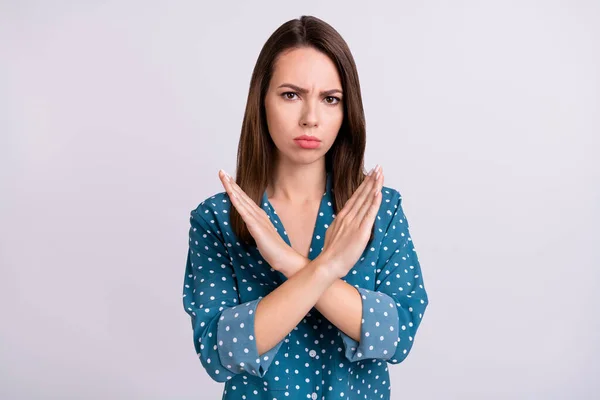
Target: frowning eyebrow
point(304, 91)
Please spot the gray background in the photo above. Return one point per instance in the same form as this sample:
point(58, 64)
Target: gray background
point(115, 117)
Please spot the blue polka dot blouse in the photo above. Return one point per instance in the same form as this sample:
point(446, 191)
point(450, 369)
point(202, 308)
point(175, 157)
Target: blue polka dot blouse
point(224, 281)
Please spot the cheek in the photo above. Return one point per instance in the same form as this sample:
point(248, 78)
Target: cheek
point(279, 117)
point(333, 122)
point(338, 116)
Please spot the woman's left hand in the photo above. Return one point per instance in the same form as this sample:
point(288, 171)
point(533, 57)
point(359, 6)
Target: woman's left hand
point(270, 244)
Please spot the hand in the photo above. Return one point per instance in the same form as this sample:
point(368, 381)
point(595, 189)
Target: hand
point(271, 246)
point(347, 237)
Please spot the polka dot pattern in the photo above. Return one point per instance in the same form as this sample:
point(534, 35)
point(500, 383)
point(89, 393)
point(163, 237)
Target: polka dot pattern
point(225, 279)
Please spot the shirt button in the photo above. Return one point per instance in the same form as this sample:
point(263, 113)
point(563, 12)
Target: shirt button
point(312, 353)
point(314, 396)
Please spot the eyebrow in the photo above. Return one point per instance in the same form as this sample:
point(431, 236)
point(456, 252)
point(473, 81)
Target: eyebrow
point(304, 91)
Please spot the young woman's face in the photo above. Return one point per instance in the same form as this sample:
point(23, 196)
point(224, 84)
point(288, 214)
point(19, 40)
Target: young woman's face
point(317, 113)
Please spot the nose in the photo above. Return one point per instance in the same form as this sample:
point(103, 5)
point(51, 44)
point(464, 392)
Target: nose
point(309, 116)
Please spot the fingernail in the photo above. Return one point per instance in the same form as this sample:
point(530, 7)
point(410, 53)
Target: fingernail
point(376, 171)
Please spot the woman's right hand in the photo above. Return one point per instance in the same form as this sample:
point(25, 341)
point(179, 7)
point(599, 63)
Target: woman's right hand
point(348, 235)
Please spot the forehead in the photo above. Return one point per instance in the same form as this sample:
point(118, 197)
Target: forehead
point(306, 67)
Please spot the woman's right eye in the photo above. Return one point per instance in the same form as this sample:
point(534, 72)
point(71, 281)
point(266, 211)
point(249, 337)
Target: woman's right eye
point(285, 95)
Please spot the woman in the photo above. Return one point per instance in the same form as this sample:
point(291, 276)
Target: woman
point(301, 278)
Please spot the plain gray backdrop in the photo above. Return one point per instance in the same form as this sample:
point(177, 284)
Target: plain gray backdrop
point(115, 117)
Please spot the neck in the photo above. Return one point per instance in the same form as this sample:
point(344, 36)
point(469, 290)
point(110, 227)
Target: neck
point(298, 185)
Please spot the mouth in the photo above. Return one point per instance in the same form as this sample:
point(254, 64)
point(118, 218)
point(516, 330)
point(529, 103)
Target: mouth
point(310, 143)
point(307, 138)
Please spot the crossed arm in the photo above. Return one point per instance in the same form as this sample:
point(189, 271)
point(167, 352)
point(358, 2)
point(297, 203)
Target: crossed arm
point(340, 303)
point(373, 324)
point(309, 284)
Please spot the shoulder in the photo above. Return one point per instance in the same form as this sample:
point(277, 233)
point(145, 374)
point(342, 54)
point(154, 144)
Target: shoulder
point(211, 215)
point(391, 212)
point(214, 206)
point(390, 201)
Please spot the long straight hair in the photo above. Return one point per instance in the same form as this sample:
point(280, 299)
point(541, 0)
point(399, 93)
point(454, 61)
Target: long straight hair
point(256, 150)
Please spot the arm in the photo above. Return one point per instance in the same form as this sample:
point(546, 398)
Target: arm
point(367, 326)
point(223, 330)
point(340, 303)
point(282, 309)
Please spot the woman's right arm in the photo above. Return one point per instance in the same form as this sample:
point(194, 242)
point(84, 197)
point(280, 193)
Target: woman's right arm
point(281, 310)
point(229, 337)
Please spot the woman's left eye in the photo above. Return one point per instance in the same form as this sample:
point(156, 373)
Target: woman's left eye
point(335, 98)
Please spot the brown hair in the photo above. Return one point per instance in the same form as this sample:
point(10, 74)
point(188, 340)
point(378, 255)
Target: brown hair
point(256, 150)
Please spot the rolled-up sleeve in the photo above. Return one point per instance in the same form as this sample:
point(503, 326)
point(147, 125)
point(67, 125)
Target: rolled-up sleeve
point(223, 329)
point(392, 313)
point(236, 345)
point(379, 328)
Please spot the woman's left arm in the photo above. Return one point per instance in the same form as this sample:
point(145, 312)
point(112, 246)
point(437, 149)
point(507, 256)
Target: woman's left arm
point(392, 313)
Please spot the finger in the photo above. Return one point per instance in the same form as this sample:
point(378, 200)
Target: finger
point(226, 183)
point(367, 197)
point(248, 202)
point(371, 197)
point(238, 203)
point(350, 203)
point(363, 196)
point(246, 207)
point(373, 209)
point(253, 212)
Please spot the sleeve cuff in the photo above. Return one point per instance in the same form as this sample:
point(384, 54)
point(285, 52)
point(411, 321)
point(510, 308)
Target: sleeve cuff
point(379, 328)
point(236, 343)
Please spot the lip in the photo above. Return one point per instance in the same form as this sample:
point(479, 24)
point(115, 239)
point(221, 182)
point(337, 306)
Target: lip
point(306, 137)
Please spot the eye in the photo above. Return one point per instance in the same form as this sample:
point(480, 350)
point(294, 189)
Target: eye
point(335, 98)
point(285, 95)
point(330, 100)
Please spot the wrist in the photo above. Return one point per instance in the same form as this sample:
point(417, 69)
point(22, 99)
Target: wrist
point(326, 267)
point(294, 262)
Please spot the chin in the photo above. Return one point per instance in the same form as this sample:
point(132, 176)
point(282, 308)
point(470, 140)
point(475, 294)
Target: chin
point(302, 156)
